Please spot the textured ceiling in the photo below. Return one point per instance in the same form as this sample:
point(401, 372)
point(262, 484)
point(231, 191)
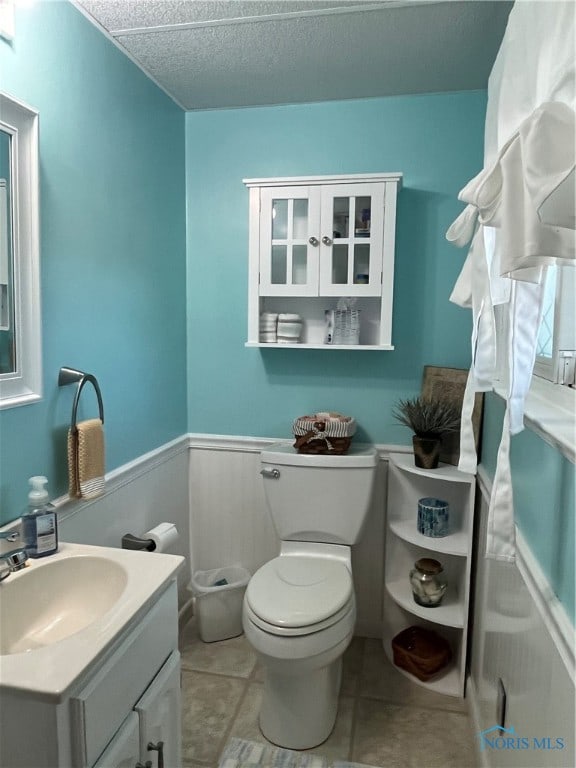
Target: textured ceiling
point(235, 53)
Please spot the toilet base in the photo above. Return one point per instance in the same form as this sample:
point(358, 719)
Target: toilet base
point(299, 711)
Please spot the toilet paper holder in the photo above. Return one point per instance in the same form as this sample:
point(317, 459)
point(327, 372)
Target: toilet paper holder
point(134, 542)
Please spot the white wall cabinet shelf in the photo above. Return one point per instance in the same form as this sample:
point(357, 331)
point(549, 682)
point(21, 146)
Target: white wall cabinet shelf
point(314, 240)
point(404, 545)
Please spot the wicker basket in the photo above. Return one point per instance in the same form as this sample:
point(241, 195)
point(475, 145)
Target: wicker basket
point(323, 433)
point(340, 445)
point(421, 652)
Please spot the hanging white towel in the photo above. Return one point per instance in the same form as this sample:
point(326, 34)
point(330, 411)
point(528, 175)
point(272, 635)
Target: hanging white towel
point(508, 198)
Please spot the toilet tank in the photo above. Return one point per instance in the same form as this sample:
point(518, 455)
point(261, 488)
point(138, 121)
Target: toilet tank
point(318, 498)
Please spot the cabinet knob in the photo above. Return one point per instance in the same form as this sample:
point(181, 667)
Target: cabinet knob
point(159, 747)
point(313, 240)
point(326, 240)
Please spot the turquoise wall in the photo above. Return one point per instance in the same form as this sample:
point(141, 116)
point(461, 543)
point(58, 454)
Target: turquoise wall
point(121, 166)
point(544, 500)
point(112, 194)
point(436, 141)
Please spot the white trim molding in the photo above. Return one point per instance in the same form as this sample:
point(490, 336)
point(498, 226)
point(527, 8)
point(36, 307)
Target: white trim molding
point(550, 412)
point(66, 507)
point(257, 444)
point(23, 384)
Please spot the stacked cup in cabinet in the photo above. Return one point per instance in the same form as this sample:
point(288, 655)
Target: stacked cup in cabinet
point(407, 484)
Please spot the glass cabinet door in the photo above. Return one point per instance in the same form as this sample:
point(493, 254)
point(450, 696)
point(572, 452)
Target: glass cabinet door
point(289, 241)
point(352, 218)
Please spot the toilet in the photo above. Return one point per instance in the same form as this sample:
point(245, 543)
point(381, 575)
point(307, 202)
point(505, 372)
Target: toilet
point(299, 609)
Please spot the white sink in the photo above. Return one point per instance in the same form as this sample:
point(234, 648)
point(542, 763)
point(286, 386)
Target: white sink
point(59, 614)
point(50, 603)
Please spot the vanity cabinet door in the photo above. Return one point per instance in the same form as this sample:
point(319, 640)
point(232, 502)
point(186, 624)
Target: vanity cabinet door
point(160, 717)
point(124, 749)
point(122, 680)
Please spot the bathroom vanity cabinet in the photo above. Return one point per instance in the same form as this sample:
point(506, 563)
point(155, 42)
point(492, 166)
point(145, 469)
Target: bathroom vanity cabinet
point(316, 239)
point(121, 713)
point(405, 545)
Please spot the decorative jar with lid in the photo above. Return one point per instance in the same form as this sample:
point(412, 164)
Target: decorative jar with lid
point(428, 587)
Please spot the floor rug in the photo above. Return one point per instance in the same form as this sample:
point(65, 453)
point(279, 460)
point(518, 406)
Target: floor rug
point(239, 753)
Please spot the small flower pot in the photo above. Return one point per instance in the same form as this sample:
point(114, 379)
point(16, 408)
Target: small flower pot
point(426, 451)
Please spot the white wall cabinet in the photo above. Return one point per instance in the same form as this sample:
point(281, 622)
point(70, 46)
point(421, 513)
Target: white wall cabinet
point(404, 545)
point(314, 240)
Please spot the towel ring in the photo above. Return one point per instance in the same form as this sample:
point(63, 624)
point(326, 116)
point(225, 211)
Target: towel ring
point(71, 376)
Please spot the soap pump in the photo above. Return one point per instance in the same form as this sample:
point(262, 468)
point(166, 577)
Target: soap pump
point(39, 524)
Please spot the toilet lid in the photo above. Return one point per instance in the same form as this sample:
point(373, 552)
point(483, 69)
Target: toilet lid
point(297, 591)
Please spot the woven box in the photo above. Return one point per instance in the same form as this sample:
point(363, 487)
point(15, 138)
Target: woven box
point(323, 433)
point(421, 652)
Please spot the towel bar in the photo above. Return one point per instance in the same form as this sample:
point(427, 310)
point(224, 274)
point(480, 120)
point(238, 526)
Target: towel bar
point(71, 376)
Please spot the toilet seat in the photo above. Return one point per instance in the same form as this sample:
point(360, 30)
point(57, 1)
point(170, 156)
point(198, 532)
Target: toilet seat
point(296, 595)
point(274, 629)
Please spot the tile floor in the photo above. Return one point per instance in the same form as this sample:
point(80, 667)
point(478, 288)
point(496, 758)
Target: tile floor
point(384, 719)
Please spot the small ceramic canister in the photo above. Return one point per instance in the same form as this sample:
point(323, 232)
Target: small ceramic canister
point(433, 517)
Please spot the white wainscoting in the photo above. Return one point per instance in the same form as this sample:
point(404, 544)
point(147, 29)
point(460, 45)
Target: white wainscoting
point(522, 636)
point(138, 496)
point(231, 525)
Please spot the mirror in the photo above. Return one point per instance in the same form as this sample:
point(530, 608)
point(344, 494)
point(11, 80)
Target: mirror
point(7, 348)
point(20, 345)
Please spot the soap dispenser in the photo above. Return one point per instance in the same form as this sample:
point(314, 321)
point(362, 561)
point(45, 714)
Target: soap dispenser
point(39, 524)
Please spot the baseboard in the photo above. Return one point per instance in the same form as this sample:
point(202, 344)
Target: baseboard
point(474, 712)
point(370, 629)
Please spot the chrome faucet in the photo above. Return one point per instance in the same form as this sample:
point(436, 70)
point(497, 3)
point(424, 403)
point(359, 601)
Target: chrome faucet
point(12, 561)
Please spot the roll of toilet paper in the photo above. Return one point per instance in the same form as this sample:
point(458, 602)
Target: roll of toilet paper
point(164, 536)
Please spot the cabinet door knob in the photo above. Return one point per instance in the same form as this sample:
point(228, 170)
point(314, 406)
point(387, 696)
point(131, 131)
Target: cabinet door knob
point(326, 240)
point(159, 747)
point(313, 240)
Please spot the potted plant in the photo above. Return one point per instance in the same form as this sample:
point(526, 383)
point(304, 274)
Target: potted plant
point(428, 419)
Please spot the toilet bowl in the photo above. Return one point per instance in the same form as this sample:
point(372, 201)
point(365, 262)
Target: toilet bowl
point(299, 609)
point(298, 614)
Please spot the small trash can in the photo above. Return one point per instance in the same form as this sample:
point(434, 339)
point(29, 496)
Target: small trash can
point(219, 595)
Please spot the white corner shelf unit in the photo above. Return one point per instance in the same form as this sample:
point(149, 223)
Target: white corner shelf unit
point(404, 545)
point(316, 239)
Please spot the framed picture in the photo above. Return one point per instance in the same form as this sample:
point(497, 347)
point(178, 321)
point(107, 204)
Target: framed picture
point(449, 384)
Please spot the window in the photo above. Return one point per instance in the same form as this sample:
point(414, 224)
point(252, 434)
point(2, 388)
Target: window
point(555, 351)
point(550, 408)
